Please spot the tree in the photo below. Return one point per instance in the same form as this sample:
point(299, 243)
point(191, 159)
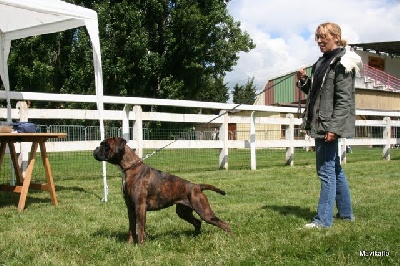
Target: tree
point(51, 63)
point(245, 94)
point(176, 49)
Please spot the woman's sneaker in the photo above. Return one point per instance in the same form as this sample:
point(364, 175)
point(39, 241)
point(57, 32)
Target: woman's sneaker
point(312, 225)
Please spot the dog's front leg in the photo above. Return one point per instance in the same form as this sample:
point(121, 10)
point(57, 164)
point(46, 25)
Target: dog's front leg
point(141, 222)
point(132, 220)
point(132, 225)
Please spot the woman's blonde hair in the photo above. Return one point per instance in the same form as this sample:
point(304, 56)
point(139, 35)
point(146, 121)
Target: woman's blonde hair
point(329, 28)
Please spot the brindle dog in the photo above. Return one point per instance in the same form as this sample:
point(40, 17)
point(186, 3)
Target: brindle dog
point(149, 189)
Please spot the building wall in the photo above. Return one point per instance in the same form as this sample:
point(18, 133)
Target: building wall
point(283, 90)
point(263, 131)
point(389, 65)
point(377, 100)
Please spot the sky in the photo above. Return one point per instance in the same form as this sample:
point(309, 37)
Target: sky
point(283, 31)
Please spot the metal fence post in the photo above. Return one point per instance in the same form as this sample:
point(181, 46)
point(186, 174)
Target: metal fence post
point(290, 138)
point(386, 136)
point(137, 131)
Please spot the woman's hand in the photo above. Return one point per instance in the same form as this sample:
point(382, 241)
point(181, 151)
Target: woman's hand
point(329, 137)
point(302, 75)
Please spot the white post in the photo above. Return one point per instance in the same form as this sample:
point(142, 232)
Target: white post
point(253, 159)
point(125, 122)
point(290, 139)
point(342, 150)
point(24, 146)
point(223, 136)
point(137, 133)
point(386, 136)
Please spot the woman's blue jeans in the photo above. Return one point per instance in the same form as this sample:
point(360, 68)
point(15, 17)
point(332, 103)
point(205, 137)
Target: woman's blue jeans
point(334, 186)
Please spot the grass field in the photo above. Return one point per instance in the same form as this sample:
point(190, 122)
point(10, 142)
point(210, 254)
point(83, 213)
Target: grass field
point(265, 208)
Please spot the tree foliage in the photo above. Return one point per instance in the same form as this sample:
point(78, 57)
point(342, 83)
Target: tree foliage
point(174, 49)
point(245, 94)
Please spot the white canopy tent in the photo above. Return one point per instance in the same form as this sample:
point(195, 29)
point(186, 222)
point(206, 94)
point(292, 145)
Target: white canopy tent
point(26, 18)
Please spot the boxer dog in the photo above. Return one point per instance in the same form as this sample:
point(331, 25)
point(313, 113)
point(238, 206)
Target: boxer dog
point(148, 189)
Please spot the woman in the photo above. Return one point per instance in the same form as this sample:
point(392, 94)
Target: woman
point(329, 115)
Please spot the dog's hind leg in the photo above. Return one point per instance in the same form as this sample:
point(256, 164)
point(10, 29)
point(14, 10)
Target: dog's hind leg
point(200, 204)
point(186, 213)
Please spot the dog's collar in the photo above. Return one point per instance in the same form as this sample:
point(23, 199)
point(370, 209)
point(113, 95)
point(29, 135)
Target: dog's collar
point(134, 165)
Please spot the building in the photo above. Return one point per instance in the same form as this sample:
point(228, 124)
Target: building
point(377, 87)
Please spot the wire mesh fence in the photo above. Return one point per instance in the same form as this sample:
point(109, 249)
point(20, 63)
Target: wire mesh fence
point(77, 132)
point(81, 164)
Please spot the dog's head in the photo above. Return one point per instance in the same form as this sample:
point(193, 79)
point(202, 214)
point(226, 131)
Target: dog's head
point(110, 150)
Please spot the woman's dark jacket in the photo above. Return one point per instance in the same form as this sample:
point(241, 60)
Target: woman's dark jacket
point(333, 107)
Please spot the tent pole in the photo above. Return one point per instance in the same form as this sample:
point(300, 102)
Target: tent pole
point(92, 29)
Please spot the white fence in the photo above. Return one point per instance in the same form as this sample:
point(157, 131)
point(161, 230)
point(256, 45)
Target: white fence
point(131, 113)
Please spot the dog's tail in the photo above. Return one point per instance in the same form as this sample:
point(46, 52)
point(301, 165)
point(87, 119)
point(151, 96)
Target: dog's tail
point(211, 187)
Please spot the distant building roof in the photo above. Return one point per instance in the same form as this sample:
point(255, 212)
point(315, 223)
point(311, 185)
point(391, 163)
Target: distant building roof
point(390, 48)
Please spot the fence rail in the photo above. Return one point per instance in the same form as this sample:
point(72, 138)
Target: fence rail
point(257, 130)
point(257, 127)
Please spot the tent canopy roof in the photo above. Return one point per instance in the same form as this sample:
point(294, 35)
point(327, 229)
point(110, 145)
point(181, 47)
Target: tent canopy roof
point(24, 18)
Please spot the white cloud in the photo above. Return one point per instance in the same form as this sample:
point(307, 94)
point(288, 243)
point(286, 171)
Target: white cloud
point(283, 31)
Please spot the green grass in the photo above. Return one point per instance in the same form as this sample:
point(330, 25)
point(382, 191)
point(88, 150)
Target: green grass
point(266, 209)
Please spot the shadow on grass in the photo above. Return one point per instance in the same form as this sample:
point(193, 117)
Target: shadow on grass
point(122, 236)
point(173, 234)
point(300, 212)
point(76, 189)
point(9, 198)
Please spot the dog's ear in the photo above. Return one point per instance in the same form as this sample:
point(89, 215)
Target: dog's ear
point(120, 145)
point(117, 149)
